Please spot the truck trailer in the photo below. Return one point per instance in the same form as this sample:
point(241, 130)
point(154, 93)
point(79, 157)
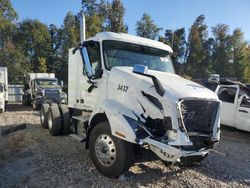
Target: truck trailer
point(3, 88)
point(123, 93)
point(43, 88)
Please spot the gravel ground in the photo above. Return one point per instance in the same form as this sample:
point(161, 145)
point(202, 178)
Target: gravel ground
point(32, 158)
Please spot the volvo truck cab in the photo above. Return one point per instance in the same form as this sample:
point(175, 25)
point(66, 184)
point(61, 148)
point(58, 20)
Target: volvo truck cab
point(123, 92)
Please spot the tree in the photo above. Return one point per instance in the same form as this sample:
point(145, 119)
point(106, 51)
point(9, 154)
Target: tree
point(70, 39)
point(54, 57)
point(176, 39)
point(34, 39)
point(115, 16)
point(42, 64)
point(247, 66)
point(95, 14)
point(239, 47)
point(197, 64)
point(222, 54)
point(147, 28)
point(7, 16)
point(13, 58)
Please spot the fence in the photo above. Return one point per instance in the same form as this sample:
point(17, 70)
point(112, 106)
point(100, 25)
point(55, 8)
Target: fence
point(15, 93)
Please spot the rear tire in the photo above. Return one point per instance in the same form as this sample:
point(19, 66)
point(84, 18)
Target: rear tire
point(24, 102)
point(65, 114)
point(28, 99)
point(44, 115)
point(54, 121)
point(110, 155)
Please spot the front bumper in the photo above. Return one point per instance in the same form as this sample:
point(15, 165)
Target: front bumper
point(170, 153)
point(42, 100)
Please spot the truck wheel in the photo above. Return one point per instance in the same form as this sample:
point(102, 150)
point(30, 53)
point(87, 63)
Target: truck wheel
point(66, 119)
point(44, 115)
point(28, 100)
point(110, 155)
point(24, 100)
point(54, 121)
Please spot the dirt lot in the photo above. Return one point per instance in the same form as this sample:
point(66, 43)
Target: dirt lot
point(32, 158)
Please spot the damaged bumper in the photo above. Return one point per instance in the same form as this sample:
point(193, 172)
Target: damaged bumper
point(170, 153)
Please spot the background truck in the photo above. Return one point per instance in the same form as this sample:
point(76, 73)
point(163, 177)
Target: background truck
point(123, 94)
point(235, 97)
point(43, 88)
point(3, 88)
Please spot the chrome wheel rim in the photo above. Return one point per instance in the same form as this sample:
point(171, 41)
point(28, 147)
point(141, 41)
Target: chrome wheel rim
point(105, 150)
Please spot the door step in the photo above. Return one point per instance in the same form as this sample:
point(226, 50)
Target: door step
point(80, 139)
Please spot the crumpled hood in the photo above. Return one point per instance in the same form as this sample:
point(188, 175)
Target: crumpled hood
point(173, 84)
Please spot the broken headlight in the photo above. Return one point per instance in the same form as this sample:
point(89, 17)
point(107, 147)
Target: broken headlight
point(172, 135)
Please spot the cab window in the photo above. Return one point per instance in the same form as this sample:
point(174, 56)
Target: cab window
point(95, 59)
point(227, 94)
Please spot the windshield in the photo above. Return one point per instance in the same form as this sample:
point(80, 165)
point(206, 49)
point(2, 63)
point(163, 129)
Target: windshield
point(118, 53)
point(46, 82)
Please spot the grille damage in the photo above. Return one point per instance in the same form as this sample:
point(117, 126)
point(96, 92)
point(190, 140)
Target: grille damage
point(199, 116)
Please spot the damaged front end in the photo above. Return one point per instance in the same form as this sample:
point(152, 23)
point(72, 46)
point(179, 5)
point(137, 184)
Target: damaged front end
point(189, 131)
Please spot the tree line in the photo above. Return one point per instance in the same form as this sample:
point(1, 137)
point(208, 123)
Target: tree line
point(32, 46)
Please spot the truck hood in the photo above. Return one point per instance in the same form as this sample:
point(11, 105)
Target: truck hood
point(173, 84)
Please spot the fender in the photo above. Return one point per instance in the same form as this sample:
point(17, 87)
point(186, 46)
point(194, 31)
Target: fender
point(119, 126)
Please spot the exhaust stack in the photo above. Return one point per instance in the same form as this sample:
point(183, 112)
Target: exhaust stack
point(82, 27)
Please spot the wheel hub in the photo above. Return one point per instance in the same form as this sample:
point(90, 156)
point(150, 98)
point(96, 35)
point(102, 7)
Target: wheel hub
point(105, 150)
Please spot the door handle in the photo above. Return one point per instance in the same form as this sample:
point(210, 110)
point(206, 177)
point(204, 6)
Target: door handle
point(243, 111)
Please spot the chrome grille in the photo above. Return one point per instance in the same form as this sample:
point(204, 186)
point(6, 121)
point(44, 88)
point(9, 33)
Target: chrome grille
point(199, 116)
point(52, 94)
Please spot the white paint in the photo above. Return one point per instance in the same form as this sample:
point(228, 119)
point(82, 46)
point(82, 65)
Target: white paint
point(115, 102)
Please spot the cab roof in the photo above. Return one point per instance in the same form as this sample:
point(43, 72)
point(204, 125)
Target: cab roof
point(131, 39)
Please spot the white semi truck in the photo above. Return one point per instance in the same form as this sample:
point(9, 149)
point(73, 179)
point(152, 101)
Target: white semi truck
point(3, 88)
point(123, 92)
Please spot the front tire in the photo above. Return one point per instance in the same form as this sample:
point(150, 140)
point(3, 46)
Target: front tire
point(110, 155)
point(44, 115)
point(54, 120)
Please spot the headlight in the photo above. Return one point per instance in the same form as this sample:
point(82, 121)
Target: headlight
point(172, 135)
point(1, 102)
point(63, 95)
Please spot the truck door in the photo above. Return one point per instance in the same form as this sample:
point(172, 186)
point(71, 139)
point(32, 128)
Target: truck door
point(243, 112)
point(91, 86)
point(227, 94)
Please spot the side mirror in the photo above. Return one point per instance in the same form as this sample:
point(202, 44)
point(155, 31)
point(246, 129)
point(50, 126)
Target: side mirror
point(5, 88)
point(87, 64)
point(62, 84)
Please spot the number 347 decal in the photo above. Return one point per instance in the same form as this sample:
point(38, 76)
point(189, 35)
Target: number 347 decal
point(122, 88)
